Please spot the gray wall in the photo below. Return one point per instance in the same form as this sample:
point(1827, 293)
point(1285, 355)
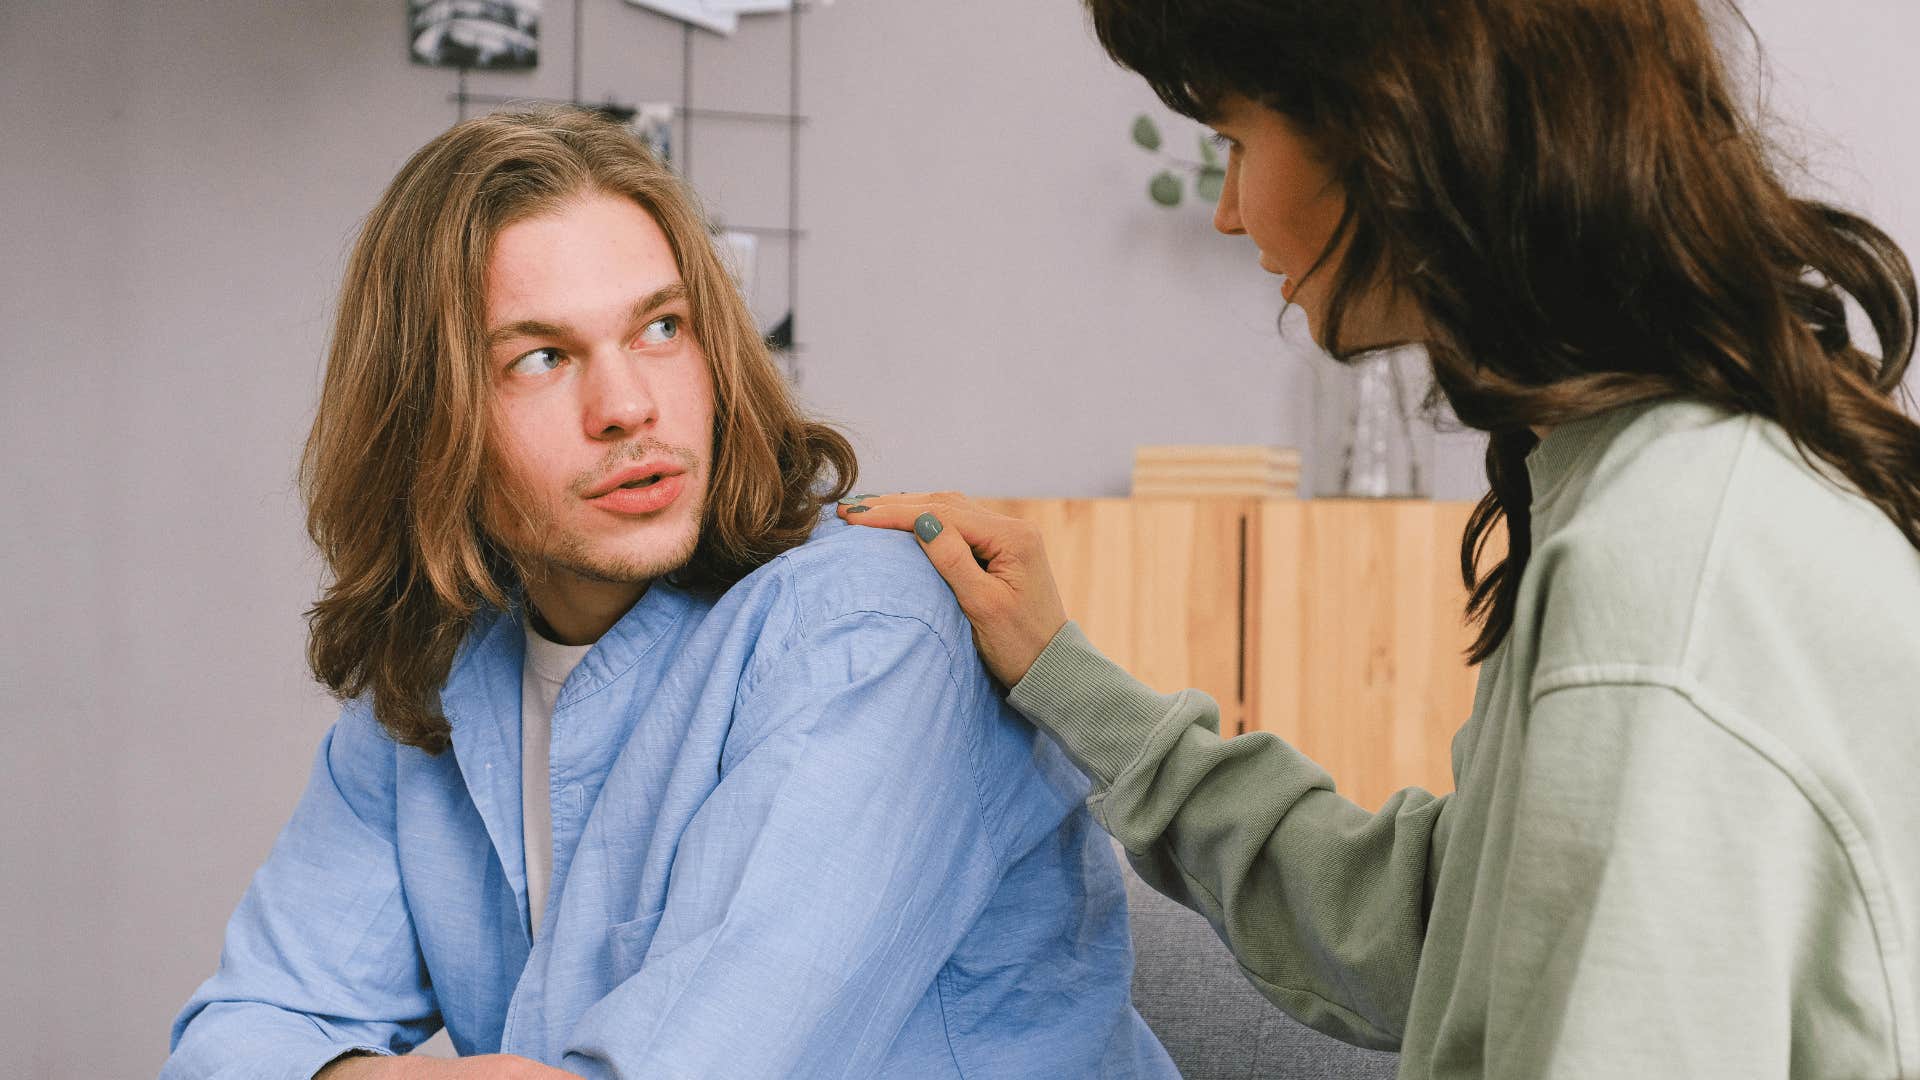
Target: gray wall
point(990, 304)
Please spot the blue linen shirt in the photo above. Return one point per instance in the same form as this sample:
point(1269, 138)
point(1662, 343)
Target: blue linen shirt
point(796, 833)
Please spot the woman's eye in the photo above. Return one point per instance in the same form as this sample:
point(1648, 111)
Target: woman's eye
point(661, 330)
point(531, 363)
point(1220, 141)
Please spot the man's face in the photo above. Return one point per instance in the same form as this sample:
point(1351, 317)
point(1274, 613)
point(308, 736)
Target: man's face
point(597, 380)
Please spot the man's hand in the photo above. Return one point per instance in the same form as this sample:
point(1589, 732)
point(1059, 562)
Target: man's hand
point(484, 1067)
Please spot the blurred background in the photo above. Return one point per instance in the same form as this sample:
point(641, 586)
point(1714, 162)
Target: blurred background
point(985, 297)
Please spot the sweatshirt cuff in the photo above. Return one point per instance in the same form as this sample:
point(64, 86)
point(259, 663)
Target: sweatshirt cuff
point(1101, 715)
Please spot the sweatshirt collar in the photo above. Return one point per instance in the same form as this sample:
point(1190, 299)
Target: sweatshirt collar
point(1552, 463)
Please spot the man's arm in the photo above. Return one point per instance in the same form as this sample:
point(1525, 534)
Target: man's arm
point(484, 1067)
point(828, 877)
point(320, 956)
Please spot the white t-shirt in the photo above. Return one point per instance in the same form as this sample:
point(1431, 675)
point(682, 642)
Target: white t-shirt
point(547, 666)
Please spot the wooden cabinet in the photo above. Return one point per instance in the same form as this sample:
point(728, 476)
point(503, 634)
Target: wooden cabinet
point(1338, 625)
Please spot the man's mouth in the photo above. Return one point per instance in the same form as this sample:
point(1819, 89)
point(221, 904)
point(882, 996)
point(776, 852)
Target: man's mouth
point(646, 494)
point(662, 472)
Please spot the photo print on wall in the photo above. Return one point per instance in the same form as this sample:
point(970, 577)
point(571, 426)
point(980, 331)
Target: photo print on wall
point(494, 34)
point(653, 122)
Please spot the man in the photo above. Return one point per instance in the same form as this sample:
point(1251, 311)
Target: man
point(648, 767)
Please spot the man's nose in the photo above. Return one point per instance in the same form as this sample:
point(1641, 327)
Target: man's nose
point(619, 395)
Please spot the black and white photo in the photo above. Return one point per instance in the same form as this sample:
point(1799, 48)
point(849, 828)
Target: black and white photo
point(474, 33)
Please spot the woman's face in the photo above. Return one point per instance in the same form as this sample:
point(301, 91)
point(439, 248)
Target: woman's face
point(1281, 192)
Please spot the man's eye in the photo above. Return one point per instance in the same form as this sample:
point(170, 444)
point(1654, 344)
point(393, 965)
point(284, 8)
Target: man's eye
point(534, 363)
point(661, 330)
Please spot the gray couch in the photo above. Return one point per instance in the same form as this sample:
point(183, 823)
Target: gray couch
point(1214, 1024)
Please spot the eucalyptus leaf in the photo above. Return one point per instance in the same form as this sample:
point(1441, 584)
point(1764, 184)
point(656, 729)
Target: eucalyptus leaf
point(1165, 189)
point(1145, 132)
point(1207, 153)
point(1209, 183)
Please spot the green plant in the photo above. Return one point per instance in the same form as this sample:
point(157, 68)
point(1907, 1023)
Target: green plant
point(1166, 187)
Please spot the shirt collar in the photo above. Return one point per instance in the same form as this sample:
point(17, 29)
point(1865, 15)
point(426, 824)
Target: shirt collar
point(638, 632)
point(481, 700)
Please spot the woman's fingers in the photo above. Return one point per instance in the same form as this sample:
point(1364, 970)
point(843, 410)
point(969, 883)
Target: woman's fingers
point(995, 565)
point(961, 545)
point(945, 530)
point(909, 498)
point(883, 511)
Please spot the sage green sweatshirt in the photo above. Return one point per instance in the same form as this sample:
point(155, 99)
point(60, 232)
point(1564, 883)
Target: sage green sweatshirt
point(1684, 836)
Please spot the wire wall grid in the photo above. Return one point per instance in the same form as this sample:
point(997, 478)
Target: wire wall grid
point(780, 338)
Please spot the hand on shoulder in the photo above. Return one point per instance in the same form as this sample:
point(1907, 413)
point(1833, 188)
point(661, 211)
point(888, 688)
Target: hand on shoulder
point(995, 565)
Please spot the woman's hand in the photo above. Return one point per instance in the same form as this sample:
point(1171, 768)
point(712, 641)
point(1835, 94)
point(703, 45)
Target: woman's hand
point(996, 566)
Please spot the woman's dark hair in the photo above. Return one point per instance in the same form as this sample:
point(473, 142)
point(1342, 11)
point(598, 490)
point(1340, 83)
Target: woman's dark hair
point(1571, 195)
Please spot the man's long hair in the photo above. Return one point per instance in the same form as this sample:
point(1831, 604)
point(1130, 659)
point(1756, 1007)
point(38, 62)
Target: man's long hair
point(1583, 213)
point(401, 449)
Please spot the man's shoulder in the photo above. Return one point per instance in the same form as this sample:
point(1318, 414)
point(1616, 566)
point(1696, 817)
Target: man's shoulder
point(843, 570)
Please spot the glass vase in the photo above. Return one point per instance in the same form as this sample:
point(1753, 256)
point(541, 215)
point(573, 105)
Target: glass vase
point(1371, 440)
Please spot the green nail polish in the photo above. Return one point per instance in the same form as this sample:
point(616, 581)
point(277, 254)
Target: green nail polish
point(928, 527)
point(851, 499)
point(858, 509)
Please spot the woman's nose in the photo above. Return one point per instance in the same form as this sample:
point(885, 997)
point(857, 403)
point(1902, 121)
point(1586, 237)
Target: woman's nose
point(1226, 212)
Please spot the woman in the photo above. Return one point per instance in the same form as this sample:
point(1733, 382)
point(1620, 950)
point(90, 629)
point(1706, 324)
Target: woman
point(1681, 837)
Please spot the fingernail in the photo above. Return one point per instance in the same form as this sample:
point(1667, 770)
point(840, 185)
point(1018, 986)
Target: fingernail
point(858, 509)
point(928, 527)
point(851, 499)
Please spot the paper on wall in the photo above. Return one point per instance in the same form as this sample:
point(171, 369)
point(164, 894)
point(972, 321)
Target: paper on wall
point(700, 13)
point(719, 16)
point(740, 252)
point(760, 7)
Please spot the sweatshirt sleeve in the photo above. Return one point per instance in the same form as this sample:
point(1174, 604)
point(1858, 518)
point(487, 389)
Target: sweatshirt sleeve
point(1323, 903)
point(1675, 905)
